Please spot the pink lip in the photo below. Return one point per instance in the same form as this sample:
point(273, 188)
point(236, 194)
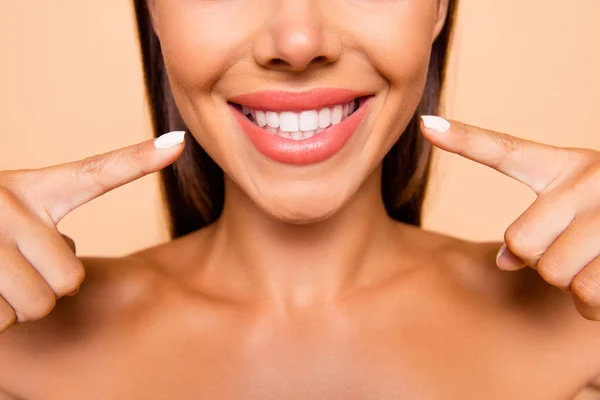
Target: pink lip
point(302, 152)
point(280, 101)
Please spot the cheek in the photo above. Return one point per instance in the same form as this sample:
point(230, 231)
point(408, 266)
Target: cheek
point(397, 40)
point(198, 50)
point(197, 42)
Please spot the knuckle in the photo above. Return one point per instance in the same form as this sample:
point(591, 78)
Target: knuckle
point(70, 281)
point(508, 143)
point(37, 309)
point(519, 242)
point(93, 165)
point(552, 272)
point(587, 289)
point(90, 168)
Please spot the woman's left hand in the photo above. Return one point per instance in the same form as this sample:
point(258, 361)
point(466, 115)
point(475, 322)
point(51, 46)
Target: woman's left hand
point(559, 234)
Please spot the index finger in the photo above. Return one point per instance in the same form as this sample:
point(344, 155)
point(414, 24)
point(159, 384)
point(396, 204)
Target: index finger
point(534, 164)
point(62, 188)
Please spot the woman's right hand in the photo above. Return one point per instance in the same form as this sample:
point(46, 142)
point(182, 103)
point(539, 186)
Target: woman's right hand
point(37, 264)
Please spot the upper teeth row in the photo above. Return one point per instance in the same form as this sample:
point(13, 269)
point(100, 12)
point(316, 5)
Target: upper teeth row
point(310, 120)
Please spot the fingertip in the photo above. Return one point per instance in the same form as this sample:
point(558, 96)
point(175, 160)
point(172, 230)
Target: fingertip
point(507, 261)
point(435, 124)
point(169, 140)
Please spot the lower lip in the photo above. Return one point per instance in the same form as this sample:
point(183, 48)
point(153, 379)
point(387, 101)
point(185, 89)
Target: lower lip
point(318, 148)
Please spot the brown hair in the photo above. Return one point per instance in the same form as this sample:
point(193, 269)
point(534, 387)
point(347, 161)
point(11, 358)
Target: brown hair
point(193, 185)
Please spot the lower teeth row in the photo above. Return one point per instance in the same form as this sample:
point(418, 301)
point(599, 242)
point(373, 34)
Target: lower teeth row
point(298, 135)
point(301, 135)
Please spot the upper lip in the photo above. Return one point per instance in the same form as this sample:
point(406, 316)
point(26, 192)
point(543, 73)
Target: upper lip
point(279, 101)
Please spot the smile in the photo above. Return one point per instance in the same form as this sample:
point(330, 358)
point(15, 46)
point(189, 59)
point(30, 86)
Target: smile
point(300, 125)
point(283, 127)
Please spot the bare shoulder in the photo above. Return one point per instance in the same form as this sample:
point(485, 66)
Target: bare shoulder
point(472, 266)
point(470, 269)
point(114, 291)
point(541, 310)
point(117, 300)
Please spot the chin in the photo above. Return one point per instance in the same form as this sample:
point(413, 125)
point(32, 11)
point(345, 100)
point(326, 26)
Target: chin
point(301, 207)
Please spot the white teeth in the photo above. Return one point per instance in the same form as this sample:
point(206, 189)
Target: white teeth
point(324, 118)
point(261, 120)
point(308, 134)
point(302, 125)
point(309, 120)
point(296, 135)
point(272, 119)
point(336, 115)
point(288, 121)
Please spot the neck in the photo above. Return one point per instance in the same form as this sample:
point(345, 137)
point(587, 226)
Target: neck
point(297, 265)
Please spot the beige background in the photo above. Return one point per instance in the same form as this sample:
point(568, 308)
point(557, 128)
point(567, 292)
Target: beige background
point(71, 86)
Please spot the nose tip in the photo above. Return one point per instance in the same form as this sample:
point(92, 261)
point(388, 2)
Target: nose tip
point(297, 38)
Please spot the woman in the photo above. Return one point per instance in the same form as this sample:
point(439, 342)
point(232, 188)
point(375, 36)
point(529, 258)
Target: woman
point(298, 269)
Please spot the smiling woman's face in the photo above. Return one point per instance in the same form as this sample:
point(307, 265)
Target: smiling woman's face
point(302, 148)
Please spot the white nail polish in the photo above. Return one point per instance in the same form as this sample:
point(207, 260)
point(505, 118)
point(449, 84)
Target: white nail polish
point(169, 140)
point(500, 252)
point(435, 123)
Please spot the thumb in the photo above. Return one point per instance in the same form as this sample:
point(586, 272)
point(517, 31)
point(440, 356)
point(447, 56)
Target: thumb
point(507, 261)
point(61, 189)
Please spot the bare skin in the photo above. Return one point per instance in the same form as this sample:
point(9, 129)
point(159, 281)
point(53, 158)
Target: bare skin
point(304, 288)
point(418, 315)
point(440, 321)
point(253, 307)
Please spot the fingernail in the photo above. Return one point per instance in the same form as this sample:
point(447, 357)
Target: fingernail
point(169, 140)
point(437, 124)
point(74, 292)
point(507, 261)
